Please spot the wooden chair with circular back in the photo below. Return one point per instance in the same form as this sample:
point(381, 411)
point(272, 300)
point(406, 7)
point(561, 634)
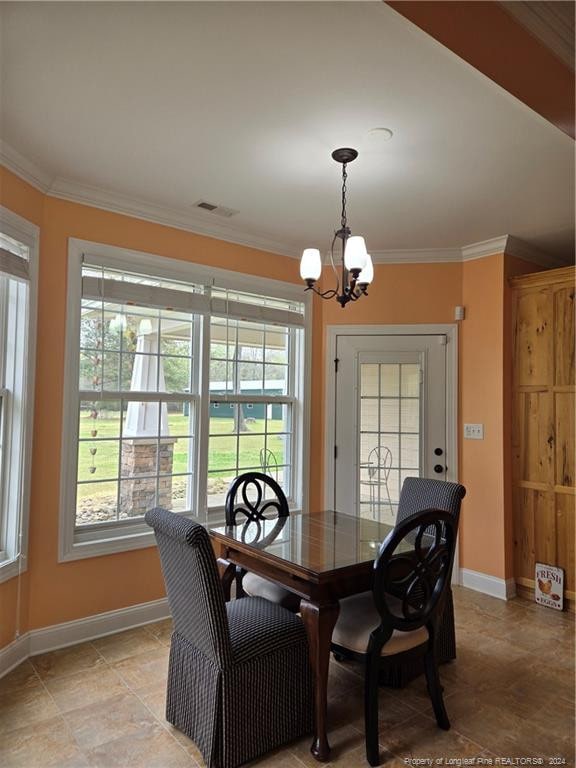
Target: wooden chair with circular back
point(248, 502)
point(402, 613)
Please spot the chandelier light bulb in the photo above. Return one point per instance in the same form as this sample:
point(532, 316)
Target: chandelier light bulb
point(310, 264)
point(367, 275)
point(355, 253)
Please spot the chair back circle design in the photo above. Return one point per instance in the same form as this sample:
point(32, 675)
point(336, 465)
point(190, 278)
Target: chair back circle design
point(258, 508)
point(413, 569)
point(380, 459)
point(269, 463)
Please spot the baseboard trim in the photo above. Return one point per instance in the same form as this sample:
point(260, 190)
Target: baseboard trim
point(14, 654)
point(79, 631)
point(504, 589)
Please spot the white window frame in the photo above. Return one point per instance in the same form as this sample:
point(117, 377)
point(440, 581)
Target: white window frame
point(292, 399)
point(15, 479)
point(72, 544)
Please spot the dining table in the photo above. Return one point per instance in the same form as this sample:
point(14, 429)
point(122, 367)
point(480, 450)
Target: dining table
point(321, 557)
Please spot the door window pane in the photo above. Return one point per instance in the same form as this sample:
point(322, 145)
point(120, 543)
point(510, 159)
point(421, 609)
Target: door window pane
point(389, 435)
point(389, 380)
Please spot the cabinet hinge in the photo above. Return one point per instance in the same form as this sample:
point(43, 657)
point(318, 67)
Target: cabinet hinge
point(335, 451)
point(336, 361)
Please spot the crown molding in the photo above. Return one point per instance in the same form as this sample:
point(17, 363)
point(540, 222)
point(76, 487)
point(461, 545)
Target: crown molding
point(180, 218)
point(523, 250)
point(183, 218)
point(484, 248)
point(417, 256)
point(511, 246)
point(24, 168)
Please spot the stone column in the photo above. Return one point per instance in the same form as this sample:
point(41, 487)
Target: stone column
point(144, 455)
point(139, 457)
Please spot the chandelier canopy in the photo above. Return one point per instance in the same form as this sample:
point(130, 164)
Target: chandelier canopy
point(357, 271)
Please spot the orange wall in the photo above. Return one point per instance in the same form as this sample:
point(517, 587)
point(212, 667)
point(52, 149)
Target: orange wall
point(57, 592)
point(482, 544)
point(52, 592)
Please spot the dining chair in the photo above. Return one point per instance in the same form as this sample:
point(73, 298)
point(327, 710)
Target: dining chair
point(239, 676)
point(253, 498)
point(420, 493)
point(402, 613)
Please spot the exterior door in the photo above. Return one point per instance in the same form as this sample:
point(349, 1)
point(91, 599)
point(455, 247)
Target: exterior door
point(390, 415)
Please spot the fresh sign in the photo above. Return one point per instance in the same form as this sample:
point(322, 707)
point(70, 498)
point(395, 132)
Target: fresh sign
point(550, 586)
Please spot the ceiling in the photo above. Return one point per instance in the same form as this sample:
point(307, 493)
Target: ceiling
point(241, 104)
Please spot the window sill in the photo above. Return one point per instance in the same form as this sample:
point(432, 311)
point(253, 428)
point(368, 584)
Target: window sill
point(11, 568)
point(108, 544)
point(107, 541)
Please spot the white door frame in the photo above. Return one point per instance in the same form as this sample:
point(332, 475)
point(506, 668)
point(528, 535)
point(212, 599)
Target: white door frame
point(417, 329)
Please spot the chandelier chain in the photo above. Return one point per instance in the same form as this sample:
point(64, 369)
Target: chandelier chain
point(344, 177)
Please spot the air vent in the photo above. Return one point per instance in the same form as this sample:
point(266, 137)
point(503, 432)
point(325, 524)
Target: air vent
point(217, 210)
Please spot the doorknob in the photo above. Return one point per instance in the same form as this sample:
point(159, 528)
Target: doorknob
point(439, 468)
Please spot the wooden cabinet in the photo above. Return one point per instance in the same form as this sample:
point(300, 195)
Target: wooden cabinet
point(543, 475)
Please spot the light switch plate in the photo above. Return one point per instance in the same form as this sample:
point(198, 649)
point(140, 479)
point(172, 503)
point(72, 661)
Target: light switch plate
point(474, 431)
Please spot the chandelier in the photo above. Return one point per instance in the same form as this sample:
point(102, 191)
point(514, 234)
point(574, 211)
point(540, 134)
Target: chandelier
point(357, 270)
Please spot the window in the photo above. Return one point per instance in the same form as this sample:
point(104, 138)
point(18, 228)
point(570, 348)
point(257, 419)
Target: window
point(18, 240)
point(137, 403)
point(176, 382)
point(253, 368)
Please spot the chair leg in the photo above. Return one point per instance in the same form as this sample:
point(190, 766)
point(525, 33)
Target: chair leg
point(435, 689)
point(239, 588)
point(371, 708)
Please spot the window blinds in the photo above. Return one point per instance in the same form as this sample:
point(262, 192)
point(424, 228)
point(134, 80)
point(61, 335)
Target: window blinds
point(207, 300)
point(14, 265)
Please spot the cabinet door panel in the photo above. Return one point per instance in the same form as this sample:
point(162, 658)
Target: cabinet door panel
point(524, 502)
point(564, 438)
point(533, 338)
point(537, 448)
point(564, 336)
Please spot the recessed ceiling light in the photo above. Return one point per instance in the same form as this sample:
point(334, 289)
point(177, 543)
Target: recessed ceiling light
point(382, 134)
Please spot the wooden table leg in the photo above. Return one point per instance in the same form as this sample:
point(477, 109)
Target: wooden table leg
point(227, 573)
point(319, 621)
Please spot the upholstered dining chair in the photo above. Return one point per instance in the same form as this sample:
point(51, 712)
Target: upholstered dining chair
point(252, 498)
point(401, 615)
point(239, 676)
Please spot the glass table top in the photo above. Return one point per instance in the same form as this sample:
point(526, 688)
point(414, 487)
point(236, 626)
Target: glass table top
point(320, 542)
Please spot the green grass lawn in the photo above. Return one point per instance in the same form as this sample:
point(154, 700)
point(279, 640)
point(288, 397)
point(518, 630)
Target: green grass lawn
point(222, 447)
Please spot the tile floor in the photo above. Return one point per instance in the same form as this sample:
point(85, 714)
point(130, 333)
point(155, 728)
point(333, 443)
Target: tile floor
point(101, 704)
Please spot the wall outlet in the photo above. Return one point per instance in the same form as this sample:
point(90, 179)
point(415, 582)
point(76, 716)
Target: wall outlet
point(474, 431)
